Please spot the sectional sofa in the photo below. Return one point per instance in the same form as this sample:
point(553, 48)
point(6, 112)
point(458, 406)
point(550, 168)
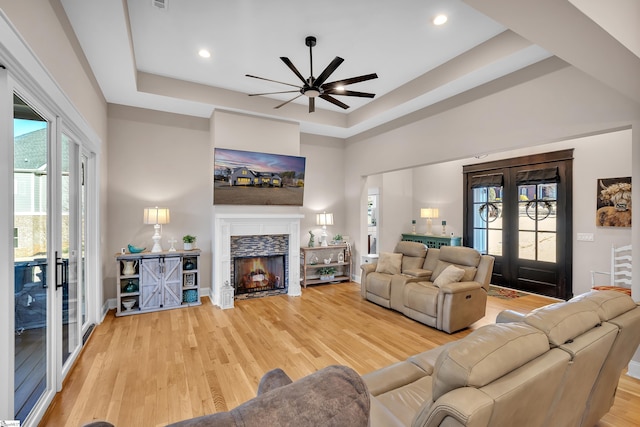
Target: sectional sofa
point(443, 288)
point(556, 366)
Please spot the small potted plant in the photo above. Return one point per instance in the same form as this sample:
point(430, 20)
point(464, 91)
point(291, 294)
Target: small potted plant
point(327, 273)
point(188, 241)
point(337, 239)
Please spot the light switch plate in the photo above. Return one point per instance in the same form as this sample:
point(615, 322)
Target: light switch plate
point(585, 237)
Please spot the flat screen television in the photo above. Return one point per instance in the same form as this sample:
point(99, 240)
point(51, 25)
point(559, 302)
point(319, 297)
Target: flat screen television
point(251, 178)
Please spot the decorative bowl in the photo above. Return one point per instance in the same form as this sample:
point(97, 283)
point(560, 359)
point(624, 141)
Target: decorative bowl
point(135, 250)
point(128, 303)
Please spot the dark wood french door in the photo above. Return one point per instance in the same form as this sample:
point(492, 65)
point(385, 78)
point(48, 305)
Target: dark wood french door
point(519, 210)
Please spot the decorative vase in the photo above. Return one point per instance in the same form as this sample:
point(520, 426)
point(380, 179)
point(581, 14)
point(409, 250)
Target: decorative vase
point(189, 265)
point(129, 268)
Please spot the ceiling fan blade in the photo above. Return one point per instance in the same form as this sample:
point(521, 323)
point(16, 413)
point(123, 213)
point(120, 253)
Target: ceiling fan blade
point(328, 71)
point(293, 68)
point(350, 81)
point(312, 105)
point(274, 81)
point(273, 93)
point(349, 93)
point(334, 101)
point(286, 102)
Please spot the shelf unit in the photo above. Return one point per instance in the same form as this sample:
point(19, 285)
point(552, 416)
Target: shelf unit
point(157, 281)
point(312, 259)
point(433, 241)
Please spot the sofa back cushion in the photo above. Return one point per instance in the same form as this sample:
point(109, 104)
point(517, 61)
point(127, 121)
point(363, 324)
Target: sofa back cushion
point(564, 321)
point(610, 303)
point(460, 255)
point(485, 355)
point(413, 254)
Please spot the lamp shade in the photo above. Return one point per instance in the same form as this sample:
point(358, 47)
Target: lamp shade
point(429, 213)
point(324, 219)
point(156, 215)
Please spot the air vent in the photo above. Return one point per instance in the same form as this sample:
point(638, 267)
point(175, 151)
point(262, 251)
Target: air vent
point(160, 4)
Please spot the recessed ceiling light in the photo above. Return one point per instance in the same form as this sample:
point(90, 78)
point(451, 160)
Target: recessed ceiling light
point(340, 88)
point(440, 19)
point(204, 53)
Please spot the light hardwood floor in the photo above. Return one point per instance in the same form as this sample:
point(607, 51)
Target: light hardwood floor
point(157, 368)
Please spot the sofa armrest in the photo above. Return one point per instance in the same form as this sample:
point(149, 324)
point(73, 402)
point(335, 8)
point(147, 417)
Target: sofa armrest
point(508, 316)
point(366, 269)
point(421, 273)
point(468, 406)
point(456, 287)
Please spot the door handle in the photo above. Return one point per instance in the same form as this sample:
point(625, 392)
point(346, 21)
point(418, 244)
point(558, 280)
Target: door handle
point(62, 271)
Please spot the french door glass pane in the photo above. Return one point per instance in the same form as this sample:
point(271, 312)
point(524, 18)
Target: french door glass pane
point(537, 225)
point(70, 227)
point(487, 220)
point(31, 134)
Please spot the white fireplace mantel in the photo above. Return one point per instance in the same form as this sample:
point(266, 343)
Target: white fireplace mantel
point(252, 224)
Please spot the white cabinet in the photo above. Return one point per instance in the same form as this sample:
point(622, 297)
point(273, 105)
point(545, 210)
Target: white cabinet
point(157, 281)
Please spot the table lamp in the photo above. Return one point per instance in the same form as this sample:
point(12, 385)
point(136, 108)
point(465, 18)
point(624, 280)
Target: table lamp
point(156, 216)
point(429, 214)
point(324, 219)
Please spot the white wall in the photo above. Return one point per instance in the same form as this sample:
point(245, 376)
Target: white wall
point(556, 106)
point(605, 155)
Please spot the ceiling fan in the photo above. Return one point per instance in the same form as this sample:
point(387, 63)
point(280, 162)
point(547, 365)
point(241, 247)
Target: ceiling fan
point(315, 87)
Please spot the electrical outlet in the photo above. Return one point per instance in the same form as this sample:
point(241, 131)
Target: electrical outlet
point(585, 237)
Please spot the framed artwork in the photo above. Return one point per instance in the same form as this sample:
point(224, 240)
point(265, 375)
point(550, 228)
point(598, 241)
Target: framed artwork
point(251, 178)
point(613, 202)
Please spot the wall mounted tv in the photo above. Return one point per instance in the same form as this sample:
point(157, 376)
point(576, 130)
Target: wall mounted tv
point(250, 178)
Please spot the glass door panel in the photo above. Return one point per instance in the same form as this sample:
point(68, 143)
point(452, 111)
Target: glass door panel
point(68, 263)
point(31, 163)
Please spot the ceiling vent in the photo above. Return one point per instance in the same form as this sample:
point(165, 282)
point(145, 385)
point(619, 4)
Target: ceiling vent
point(160, 4)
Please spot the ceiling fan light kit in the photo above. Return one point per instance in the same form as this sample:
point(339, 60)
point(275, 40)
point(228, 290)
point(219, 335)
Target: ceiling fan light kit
point(315, 87)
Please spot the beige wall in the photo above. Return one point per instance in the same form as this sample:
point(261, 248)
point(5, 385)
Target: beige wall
point(157, 159)
point(559, 105)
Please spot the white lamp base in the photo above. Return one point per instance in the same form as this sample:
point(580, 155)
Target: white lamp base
point(156, 239)
point(324, 236)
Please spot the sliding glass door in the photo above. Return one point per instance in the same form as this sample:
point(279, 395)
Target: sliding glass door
point(31, 246)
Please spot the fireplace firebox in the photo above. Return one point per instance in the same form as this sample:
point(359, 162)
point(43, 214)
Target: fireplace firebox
point(259, 273)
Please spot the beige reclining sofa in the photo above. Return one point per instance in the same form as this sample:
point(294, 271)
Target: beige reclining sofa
point(556, 366)
point(443, 288)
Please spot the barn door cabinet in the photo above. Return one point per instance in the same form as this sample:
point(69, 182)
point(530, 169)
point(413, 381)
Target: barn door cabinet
point(157, 281)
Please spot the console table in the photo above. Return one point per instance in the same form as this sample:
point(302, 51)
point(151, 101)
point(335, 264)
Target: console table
point(312, 261)
point(149, 281)
point(433, 241)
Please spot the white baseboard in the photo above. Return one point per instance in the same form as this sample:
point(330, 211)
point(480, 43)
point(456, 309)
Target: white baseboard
point(634, 369)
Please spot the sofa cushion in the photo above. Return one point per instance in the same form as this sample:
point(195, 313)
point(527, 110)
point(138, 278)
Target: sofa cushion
point(563, 321)
point(451, 274)
point(379, 284)
point(469, 272)
point(421, 297)
point(460, 255)
point(609, 304)
point(485, 355)
point(389, 263)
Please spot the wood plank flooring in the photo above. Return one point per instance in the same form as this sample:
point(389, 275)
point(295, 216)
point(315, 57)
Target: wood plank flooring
point(157, 368)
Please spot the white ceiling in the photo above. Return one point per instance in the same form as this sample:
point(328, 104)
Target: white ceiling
point(147, 57)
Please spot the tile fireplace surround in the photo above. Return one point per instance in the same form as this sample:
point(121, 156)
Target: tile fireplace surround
point(243, 224)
